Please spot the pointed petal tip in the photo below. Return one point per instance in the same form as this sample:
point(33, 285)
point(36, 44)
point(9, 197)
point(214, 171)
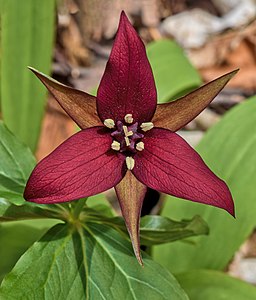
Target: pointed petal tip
point(135, 240)
point(231, 209)
point(231, 73)
point(35, 71)
point(139, 258)
point(228, 204)
point(123, 16)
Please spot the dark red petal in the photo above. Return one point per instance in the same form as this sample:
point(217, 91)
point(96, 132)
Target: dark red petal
point(131, 193)
point(80, 106)
point(178, 113)
point(127, 86)
point(168, 164)
point(82, 166)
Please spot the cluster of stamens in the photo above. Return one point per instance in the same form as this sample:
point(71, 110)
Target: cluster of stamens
point(127, 137)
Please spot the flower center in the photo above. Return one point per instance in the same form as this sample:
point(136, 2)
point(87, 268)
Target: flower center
point(127, 137)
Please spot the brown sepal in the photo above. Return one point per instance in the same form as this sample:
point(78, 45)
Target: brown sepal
point(80, 106)
point(176, 114)
point(131, 193)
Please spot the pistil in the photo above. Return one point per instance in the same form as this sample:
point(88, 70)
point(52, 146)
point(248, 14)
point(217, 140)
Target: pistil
point(127, 137)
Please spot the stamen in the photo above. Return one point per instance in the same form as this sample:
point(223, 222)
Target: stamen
point(115, 146)
point(146, 126)
point(128, 118)
point(127, 142)
point(126, 132)
point(130, 162)
point(140, 146)
point(109, 123)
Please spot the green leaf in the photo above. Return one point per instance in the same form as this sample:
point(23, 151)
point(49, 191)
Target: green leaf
point(94, 263)
point(153, 229)
point(16, 165)
point(229, 149)
point(158, 230)
point(16, 238)
point(212, 285)
point(11, 212)
point(27, 30)
point(174, 74)
point(101, 204)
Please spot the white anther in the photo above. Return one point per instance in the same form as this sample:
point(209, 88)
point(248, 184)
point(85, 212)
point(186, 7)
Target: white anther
point(126, 132)
point(128, 118)
point(127, 141)
point(109, 123)
point(130, 162)
point(115, 146)
point(140, 146)
point(146, 126)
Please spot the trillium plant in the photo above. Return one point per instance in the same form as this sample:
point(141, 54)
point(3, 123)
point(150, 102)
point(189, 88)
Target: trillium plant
point(128, 141)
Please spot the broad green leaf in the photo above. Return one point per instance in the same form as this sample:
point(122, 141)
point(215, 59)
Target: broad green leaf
point(16, 238)
point(158, 230)
point(94, 263)
point(27, 29)
point(12, 212)
point(174, 74)
point(16, 165)
point(153, 229)
point(229, 149)
point(213, 285)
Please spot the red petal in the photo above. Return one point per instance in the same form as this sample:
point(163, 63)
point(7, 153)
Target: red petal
point(127, 86)
point(82, 166)
point(80, 106)
point(131, 193)
point(168, 164)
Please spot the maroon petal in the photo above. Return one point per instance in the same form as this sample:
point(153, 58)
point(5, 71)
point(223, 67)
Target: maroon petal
point(82, 166)
point(127, 86)
point(168, 164)
point(131, 193)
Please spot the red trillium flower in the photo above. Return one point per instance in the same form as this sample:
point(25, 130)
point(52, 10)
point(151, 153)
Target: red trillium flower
point(127, 141)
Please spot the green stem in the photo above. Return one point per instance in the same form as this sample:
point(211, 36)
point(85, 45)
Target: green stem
point(79, 207)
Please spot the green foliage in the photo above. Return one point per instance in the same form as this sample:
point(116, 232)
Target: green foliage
point(93, 261)
point(174, 74)
point(27, 29)
point(158, 230)
point(16, 238)
point(229, 148)
point(16, 165)
point(10, 212)
point(212, 285)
